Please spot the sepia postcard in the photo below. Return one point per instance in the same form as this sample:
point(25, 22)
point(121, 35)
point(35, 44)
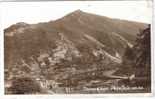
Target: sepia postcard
point(77, 47)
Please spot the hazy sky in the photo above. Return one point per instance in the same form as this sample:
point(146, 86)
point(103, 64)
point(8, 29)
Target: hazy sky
point(33, 12)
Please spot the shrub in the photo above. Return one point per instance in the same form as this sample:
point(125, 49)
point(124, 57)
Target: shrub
point(24, 86)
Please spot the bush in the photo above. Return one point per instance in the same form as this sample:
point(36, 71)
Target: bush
point(25, 86)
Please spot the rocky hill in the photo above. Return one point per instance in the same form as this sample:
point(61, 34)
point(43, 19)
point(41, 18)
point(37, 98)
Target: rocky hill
point(72, 50)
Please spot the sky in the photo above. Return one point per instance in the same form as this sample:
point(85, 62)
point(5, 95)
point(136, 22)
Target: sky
point(34, 12)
